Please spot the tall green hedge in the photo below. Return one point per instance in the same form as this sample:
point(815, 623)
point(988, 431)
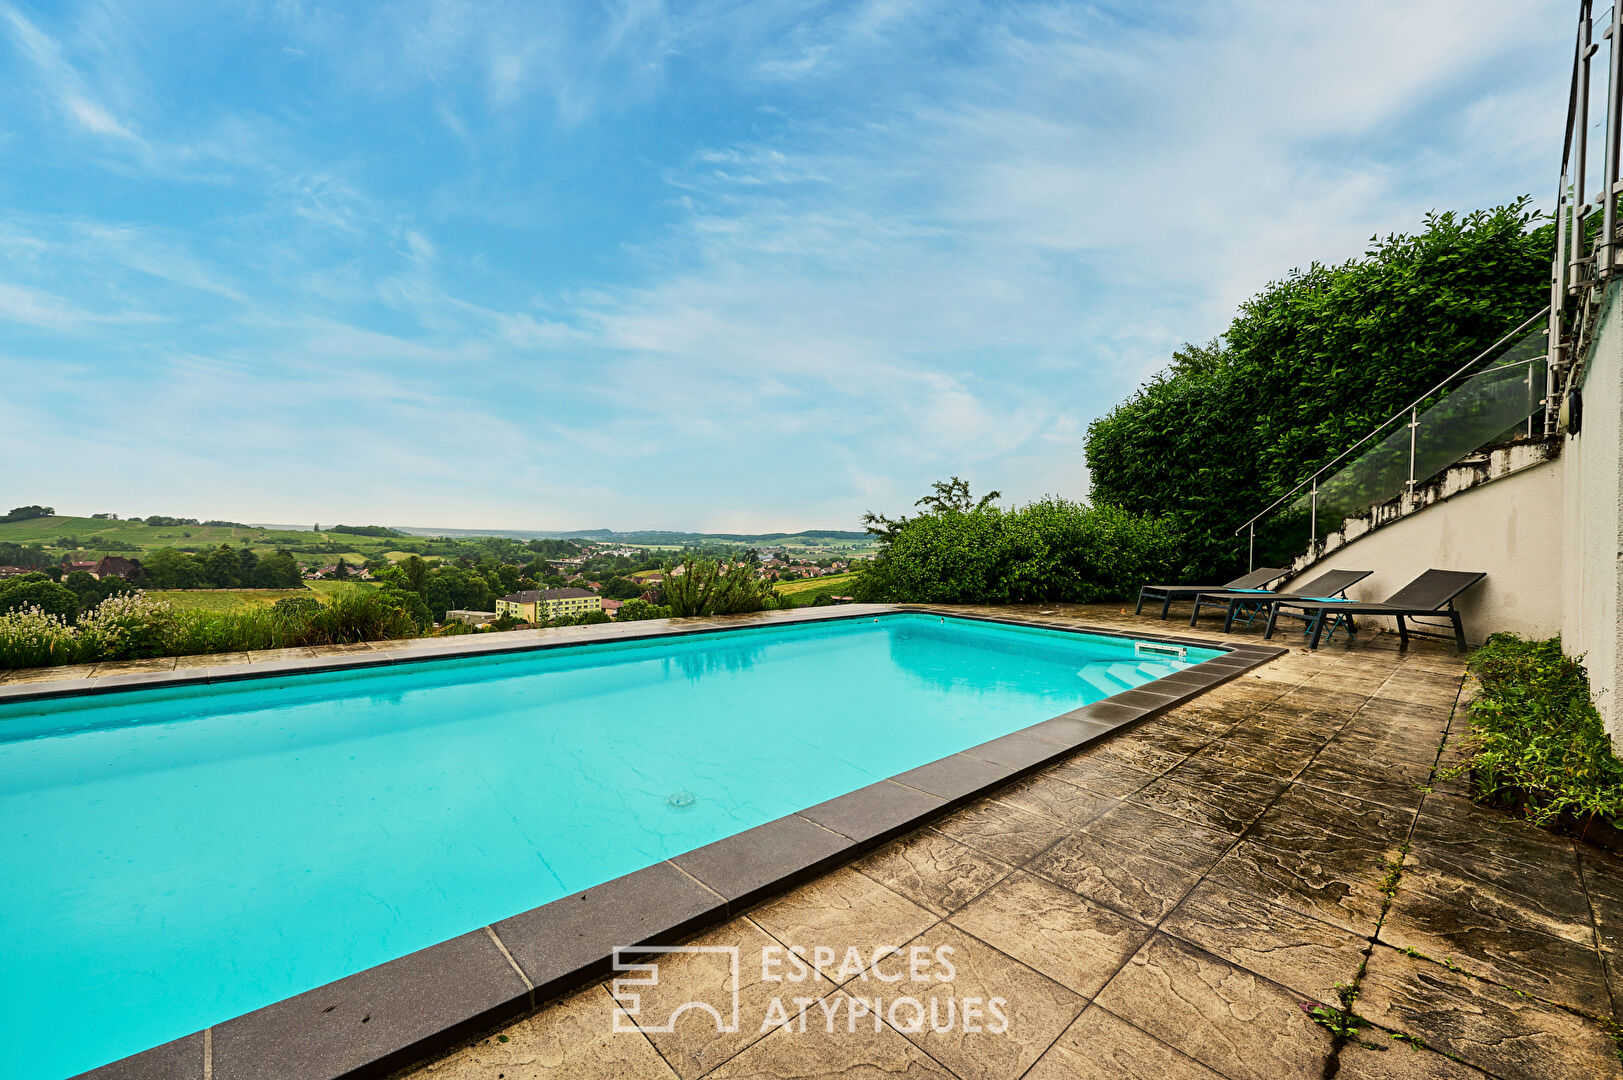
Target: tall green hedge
point(1307, 367)
point(962, 551)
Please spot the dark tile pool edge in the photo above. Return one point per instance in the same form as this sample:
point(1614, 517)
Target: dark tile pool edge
point(377, 1022)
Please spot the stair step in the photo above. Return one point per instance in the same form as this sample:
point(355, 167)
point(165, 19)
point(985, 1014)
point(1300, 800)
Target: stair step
point(1099, 677)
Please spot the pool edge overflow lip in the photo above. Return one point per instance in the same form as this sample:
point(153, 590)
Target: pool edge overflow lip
point(380, 1020)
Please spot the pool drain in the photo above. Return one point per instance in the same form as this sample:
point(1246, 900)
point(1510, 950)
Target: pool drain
point(682, 800)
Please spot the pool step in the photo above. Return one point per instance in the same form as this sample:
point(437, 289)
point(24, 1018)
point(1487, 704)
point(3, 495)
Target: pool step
point(1100, 678)
point(1114, 677)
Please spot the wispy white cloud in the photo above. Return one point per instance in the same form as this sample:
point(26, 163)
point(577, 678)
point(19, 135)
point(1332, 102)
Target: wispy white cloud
point(752, 264)
point(67, 90)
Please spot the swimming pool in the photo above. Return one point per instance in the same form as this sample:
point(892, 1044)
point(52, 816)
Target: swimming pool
point(178, 856)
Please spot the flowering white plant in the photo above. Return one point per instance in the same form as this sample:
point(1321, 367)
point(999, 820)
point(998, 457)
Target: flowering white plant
point(31, 638)
point(127, 625)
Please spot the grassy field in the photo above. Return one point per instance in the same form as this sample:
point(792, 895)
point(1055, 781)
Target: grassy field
point(803, 590)
point(325, 589)
point(243, 599)
point(130, 537)
point(221, 599)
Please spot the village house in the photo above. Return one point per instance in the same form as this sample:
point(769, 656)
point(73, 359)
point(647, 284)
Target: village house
point(612, 607)
point(117, 566)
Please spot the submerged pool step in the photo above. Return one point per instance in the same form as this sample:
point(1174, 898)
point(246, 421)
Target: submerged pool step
point(1103, 679)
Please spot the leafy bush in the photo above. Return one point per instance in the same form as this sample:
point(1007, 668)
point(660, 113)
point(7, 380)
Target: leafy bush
point(27, 591)
point(31, 637)
point(636, 610)
point(1307, 367)
point(297, 607)
point(966, 551)
point(1536, 736)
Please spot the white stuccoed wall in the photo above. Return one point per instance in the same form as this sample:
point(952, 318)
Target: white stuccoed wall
point(1591, 567)
point(1509, 528)
point(1549, 536)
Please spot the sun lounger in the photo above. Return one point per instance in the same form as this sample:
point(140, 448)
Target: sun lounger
point(1432, 593)
point(1327, 586)
point(1168, 593)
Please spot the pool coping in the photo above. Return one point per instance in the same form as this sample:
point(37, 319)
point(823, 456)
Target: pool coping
point(382, 1019)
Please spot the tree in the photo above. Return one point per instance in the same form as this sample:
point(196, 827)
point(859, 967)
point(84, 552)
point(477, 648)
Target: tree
point(416, 574)
point(222, 569)
point(1306, 368)
point(278, 571)
point(947, 496)
point(91, 591)
point(619, 588)
point(25, 513)
point(168, 568)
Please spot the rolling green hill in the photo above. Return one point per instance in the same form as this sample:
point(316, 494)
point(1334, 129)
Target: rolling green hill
point(88, 538)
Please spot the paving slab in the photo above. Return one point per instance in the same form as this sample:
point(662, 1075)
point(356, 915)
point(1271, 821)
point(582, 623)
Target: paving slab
point(1504, 1033)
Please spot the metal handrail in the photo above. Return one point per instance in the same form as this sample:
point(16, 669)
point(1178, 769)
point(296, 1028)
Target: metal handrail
point(1408, 410)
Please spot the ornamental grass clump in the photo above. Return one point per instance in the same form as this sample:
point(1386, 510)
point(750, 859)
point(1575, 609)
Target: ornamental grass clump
point(198, 633)
point(31, 637)
point(1536, 738)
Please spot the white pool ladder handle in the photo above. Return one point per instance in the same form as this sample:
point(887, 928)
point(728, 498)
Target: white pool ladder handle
point(1159, 650)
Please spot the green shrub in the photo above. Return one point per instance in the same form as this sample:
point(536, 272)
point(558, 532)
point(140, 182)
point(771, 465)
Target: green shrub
point(1536, 736)
point(637, 609)
point(963, 551)
point(30, 637)
point(297, 607)
point(28, 591)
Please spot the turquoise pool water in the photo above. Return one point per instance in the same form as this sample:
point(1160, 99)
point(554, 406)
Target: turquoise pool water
point(173, 858)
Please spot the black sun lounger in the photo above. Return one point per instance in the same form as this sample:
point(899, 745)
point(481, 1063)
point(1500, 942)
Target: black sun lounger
point(1168, 593)
point(1324, 587)
point(1432, 593)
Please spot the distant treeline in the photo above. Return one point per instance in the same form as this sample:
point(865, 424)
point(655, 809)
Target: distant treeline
point(366, 530)
point(221, 568)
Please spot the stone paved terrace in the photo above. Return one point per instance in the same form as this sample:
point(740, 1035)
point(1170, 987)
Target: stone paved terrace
point(1166, 904)
point(1162, 907)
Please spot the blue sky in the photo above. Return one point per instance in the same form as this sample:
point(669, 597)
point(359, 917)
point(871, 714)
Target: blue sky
point(723, 265)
